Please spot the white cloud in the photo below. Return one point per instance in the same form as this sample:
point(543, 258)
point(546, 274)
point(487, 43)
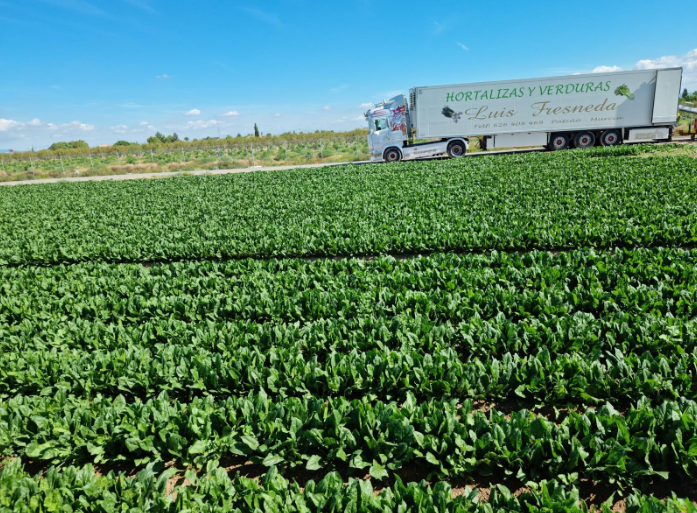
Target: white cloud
point(326, 107)
point(438, 27)
point(688, 62)
point(365, 105)
point(164, 76)
point(120, 129)
point(6, 124)
point(277, 115)
point(228, 114)
point(346, 119)
point(606, 69)
point(77, 125)
point(198, 124)
point(20, 128)
point(151, 127)
point(462, 46)
point(143, 123)
point(192, 112)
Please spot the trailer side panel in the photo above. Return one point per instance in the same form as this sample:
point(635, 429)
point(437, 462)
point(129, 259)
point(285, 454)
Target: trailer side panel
point(594, 101)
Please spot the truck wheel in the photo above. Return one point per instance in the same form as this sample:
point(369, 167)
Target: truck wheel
point(584, 140)
point(393, 155)
point(610, 138)
point(456, 149)
point(558, 142)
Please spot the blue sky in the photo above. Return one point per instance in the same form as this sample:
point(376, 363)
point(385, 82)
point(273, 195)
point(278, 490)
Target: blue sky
point(123, 69)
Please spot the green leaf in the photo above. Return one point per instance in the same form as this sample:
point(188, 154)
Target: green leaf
point(273, 459)
point(377, 471)
point(432, 459)
point(313, 463)
point(250, 442)
point(198, 447)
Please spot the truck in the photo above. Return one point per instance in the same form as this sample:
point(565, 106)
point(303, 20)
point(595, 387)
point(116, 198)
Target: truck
point(576, 111)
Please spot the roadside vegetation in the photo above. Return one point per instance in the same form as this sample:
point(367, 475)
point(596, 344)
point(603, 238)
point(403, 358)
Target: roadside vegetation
point(169, 153)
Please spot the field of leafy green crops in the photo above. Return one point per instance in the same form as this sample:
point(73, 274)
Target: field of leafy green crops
point(533, 201)
point(491, 334)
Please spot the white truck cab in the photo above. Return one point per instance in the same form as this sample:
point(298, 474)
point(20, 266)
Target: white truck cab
point(389, 128)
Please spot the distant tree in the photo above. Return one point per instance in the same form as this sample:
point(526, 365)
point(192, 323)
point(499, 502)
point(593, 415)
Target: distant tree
point(186, 139)
point(175, 137)
point(685, 94)
point(123, 143)
point(239, 135)
point(256, 130)
point(69, 145)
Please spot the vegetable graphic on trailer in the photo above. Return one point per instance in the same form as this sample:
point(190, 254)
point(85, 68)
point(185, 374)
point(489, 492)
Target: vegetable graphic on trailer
point(623, 90)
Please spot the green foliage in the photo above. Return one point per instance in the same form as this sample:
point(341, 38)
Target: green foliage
point(160, 138)
point(439, 328)
point(370, 366)
point(648, 442)
point(513, 202)
point(124, 143)
point(687, 97)
point(79, 144)
point(80, 489)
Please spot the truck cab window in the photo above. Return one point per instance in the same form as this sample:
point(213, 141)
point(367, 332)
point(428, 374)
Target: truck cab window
point(379, 124)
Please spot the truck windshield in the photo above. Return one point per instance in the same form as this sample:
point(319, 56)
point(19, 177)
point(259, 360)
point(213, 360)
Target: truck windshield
point(378, 124)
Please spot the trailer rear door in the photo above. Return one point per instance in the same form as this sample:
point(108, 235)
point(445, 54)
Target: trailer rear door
point(665, 102)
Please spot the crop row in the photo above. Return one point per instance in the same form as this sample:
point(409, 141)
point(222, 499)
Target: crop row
point(81, 489)
point(187, 372)
point(587, 270)
point(544, 201)
point(475, 337)
point(645, 443)
point(439, 287)
point(605, 269)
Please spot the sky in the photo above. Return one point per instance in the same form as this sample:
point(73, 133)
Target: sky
point(104, 70)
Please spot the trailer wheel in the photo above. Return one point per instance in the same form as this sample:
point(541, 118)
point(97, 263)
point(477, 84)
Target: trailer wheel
point(456, 149)
point(393, 155)
point(610, 138)
point(558, 142)
point(584, 140)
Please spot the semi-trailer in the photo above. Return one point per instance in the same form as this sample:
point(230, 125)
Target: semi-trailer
point(577, 111)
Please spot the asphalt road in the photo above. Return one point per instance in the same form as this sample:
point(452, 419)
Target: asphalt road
point(167, 174)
